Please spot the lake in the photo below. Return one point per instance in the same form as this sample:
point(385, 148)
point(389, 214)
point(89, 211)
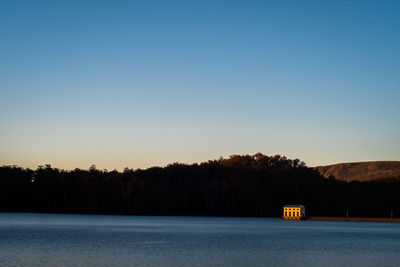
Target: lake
point(105, 240)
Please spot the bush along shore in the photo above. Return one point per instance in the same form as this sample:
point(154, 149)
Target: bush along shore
point(251, 185)
point(353, 219)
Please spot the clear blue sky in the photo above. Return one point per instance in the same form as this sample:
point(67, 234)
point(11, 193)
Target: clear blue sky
point(144, 83)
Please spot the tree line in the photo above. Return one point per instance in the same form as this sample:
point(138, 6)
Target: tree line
point(250, 185)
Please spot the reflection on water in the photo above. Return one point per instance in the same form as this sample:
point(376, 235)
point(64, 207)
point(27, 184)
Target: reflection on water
point(103, 240)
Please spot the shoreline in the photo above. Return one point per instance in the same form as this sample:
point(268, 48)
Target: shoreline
point(353, 219)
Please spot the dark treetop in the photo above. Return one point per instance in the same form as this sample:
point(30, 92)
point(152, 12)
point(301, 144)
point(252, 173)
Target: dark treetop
point(250, 185)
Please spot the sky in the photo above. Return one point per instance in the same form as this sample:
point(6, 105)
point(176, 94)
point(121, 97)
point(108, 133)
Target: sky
point(146, 83)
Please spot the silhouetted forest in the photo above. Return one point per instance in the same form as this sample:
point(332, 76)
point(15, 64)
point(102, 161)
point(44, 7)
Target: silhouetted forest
point(256, 185)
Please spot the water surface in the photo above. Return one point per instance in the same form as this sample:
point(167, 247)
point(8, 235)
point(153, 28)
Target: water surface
point(105, 240)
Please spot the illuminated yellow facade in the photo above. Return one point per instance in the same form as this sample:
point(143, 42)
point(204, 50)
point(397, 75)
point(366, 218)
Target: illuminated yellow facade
point(294, 212)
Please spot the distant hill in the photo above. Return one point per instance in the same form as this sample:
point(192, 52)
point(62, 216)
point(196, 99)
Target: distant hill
point(361, 171)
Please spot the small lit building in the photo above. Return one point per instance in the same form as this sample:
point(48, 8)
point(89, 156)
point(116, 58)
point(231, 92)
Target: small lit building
point(294, 212)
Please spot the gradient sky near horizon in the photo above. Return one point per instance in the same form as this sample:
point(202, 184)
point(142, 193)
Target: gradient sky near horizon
point(146, 83)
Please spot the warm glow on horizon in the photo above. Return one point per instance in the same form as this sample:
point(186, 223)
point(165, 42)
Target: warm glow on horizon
point(143, 85)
